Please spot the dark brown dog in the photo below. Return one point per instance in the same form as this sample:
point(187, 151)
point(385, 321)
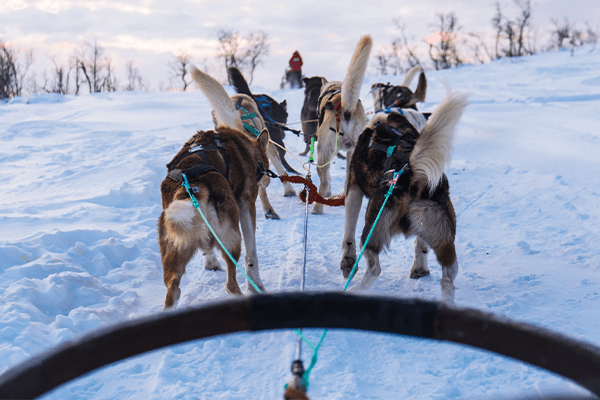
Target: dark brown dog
point(308, 115)
point(223, 168)
point(400, 96)
point(274, 113)
point(419, 205)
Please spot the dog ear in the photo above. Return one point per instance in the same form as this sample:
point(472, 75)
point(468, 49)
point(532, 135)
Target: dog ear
point(263, 139)
point(284, 104)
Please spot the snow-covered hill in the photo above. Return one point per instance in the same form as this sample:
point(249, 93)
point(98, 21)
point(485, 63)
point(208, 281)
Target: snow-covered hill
point(80, 199)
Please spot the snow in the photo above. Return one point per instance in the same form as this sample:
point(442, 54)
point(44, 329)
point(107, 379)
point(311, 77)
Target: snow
point(78, 244)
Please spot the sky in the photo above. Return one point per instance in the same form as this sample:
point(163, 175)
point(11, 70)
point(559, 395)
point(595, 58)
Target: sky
point(150, 33)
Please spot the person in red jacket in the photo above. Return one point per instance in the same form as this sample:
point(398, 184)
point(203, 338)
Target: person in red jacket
point(295, 76)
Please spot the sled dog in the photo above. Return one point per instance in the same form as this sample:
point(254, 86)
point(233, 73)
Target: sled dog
point(274, 114)
point(308, 115)
point(251, 123)
point(223, 167)
point(341, 117)
point(420, 203)
point(386, 95)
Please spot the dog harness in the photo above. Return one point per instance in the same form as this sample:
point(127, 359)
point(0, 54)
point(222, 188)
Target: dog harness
point(328, 105)
point(251, 129)
point(393, 151)
point(203, 167)
point(390, 109)
point(264, 104)
point(384, 87)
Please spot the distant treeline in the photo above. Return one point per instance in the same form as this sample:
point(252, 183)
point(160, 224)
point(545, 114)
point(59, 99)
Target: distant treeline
point(451, 46)
point(90, 70)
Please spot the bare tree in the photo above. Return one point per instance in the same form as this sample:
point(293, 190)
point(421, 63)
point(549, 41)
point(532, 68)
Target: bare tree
point(134, 79)
point(523, 24)
point(179, 70)
point(568, 34)
point(12, 70)
point(513, 36)
point(93, 68)
point(231, 51)
point(109, 83)
point(561, 32)
point(404, 51)
point(591, 36)
point(383, 61)
point(480, 49)
point(445, 54)
point(497, 23)
point(256, 51)
point(243, 52)
point(60, 78)
point(399, 57)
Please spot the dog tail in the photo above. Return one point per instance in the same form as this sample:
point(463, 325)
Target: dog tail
point(421, 90)
point(356, 73)
point(238, 81)
point(410, 75)
point(433, 149)
point(224, 110)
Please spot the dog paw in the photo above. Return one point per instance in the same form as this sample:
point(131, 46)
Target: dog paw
point(418, 273)
point(347, 264)
point(291, 193)
point(253, 290)
point(212, 266)
point(270, 214)
point(233, 289)
point(317, 209)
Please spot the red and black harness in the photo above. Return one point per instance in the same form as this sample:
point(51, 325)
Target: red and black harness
point(328, 105)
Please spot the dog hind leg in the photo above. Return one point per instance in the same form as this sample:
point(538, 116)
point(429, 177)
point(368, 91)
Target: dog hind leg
point(264, 198)
point(380, 238)
point(272, 152)
point(419, 267)
point(248, 224)
point(352, 207)
point(372, 273)
point(174, 260)
point(435, 225)
point(324, 185)
point(225, 222)
point(446, 256)
point(231, 286)
point(210, 260)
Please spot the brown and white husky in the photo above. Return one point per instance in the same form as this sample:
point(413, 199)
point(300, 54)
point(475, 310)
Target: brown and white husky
point(223, 168)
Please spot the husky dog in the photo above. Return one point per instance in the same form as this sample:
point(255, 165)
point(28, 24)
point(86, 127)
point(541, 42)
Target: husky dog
point(274, 114)
point(420, 203)
point(341, 117)
point(308, 115)
point(223, 168)
point(386, 95)
point(252, 123)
